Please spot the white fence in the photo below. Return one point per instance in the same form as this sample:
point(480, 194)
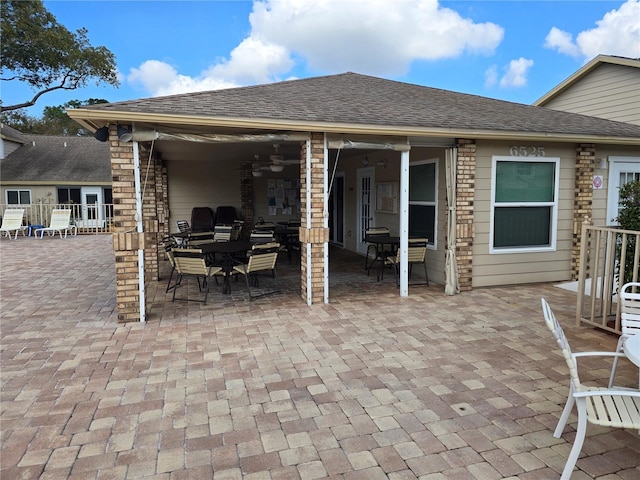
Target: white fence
point(88, 218)
point(603, 254)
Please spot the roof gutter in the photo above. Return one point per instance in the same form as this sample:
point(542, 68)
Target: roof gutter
point(94, 119)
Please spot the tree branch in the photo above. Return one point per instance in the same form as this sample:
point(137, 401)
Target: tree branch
point(32, 102)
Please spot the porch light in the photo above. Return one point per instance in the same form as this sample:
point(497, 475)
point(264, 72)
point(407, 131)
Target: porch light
point(102, 134)
point(124, 134)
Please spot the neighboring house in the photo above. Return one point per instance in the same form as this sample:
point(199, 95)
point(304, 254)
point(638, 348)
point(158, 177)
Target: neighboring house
point(10, 140)
point(45, 171)
point(606, 87)
point(500, 189)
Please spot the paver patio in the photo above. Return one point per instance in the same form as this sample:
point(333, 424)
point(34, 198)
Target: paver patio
point(370, 386)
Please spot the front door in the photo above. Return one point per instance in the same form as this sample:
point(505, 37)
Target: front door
point(365, 179)
point(92, 214)
point(336, 210)
point(621, 171)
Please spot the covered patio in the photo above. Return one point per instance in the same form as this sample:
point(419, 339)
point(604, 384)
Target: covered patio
point(370, 386)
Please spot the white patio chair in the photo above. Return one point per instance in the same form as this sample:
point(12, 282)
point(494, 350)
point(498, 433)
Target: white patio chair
point(60, 222)
point(629, 299)
point(12, 222)
point(263, 258)
point(599, 406)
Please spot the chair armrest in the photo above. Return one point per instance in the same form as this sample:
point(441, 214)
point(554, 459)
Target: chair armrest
point(607, 392)
point(598, 354)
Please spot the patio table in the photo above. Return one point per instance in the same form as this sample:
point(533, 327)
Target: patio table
point(227, 250)
point(632, 350)
point(380, 241)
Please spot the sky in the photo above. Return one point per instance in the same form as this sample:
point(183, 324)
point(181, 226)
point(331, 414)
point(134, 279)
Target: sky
point(509, 50)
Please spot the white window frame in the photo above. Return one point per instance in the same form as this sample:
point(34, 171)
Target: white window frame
point(432, 243)
point(554, 210)
point(19, 190)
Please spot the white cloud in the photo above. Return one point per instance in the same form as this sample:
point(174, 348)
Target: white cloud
point(491, 76)
point(618, 33)
point(377, 37)
point(516, 75)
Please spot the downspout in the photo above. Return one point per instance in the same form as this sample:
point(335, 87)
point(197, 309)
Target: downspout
point(325, 220)
point(404, 222)
point(308, 220)
point(140, 230)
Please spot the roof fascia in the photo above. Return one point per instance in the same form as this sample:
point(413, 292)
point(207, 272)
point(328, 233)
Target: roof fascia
point(584, 70)
point(98, 118)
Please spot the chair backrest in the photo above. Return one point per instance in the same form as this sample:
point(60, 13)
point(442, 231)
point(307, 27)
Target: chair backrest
point(169, 244)
point(183, 226)
point(222, 233)
point(377, 231)
point(263, 257)
point(630, 308)
point(417, 250)
point(261, 236)
point(226, 215)
point(190, 261)
point(12, 218)
point(200, 238)
point(236, 230)
point(60, 218)
point(554, 326)
point(202, 219)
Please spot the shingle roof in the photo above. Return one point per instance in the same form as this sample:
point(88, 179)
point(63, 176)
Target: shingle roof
point(58, 159)
point(11, 134)
point(364, 100)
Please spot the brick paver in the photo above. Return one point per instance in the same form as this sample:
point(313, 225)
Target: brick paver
point(369, 386)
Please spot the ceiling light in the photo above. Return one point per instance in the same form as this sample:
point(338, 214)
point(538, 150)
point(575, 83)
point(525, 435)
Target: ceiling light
point(256, 173)
point(276, 168)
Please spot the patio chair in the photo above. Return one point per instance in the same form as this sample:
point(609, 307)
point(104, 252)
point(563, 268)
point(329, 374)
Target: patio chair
point(60, 222)
point(202, 219)
point(192, 262)
point(416, 254)
point(629, 299)
point(373, 247)
point(12, 222)
point(169, 244)
point(183, 226)
point(222, 233)
point(196, 239)
point(599, 406)
point(261, 236)
point(263, 258)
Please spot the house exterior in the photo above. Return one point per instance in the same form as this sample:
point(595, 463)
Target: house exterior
point(606, 87)
point(42, 171)
point(500, 189)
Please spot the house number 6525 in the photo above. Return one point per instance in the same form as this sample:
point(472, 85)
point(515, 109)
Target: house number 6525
point(526, 151)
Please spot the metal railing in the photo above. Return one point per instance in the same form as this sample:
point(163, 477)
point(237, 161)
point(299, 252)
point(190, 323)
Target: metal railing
point(604, 253)
point(93, 218)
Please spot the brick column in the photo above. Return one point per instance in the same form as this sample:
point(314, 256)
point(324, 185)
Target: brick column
point(465, 194)
point(246, 198)
point(313, 235)
point(162, 212)
point(582, 199)
point(126, 240)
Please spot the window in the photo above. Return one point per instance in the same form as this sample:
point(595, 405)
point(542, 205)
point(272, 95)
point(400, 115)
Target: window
point(69, 195)
point(524, 213)
point(18, 197)
point(423, 199)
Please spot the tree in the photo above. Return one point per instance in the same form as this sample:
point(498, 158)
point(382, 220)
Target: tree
point(39, 51)
point(629, 219)
point(54, 120)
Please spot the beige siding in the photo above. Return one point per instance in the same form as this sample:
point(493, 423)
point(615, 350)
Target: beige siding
point(512, 268)
point(609, 91)
point(201, 184)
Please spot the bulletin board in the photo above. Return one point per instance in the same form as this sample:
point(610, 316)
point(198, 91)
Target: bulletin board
point(283, 195)
point(387, 197)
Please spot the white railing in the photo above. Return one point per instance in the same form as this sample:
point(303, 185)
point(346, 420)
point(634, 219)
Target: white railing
point(93, 218)
point(604, 252)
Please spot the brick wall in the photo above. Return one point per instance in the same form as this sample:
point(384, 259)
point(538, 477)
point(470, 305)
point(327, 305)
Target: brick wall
point(246, 198)
point(313, 235)
point(465, 193)
point(582, 199)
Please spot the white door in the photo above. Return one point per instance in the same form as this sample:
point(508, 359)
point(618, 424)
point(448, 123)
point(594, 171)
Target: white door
point(621, 171)
point(365, 179)
point(92, 214)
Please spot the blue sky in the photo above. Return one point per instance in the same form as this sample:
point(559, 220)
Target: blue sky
point(510, 50)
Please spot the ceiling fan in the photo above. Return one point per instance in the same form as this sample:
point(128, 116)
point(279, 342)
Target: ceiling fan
point(277, 162)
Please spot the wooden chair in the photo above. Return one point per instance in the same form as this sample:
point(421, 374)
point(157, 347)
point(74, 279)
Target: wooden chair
point(263, 258)
point(168, 244)
point(416, 254)
point(12, 222)
point(192, 262)
point(599, 406)
point(629, 319)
